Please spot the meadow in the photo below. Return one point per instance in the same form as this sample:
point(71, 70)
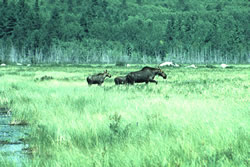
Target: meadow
point(196, 117)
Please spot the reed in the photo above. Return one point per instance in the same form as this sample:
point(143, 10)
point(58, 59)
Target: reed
point(197, 117)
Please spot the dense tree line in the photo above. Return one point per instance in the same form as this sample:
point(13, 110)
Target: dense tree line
point(125, 30)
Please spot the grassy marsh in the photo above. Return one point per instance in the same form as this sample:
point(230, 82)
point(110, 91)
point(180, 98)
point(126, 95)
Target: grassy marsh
point(197, 117)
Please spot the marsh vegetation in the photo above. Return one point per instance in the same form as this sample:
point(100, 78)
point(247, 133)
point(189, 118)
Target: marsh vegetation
point(197, 117)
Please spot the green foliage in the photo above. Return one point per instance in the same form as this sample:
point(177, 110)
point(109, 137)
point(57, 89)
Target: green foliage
point(184, 26)
point(120, 63)
point(118, 131)
point(197, 117)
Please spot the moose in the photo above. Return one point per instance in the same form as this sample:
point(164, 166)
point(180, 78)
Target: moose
point(98, 78)
point(120, 80)
point(146, 74)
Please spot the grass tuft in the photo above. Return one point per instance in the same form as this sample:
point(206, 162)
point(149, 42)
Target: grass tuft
point(197, 117)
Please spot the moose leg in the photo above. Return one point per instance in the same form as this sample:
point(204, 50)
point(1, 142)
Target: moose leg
point(151, 80)
point(130, 82)
point(117, 82)
point(89, 83)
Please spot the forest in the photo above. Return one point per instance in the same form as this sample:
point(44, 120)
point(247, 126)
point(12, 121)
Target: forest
point(131, 31)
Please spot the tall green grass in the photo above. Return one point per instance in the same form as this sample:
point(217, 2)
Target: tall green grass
point(197, 117)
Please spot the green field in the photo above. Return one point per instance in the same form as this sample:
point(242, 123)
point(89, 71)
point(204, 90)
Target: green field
point(197, 117)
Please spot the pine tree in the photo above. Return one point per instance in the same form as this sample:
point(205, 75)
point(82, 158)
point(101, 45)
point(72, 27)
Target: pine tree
point(37, 18)
point(36, 6)
point(139, 2)
point(23, 24)
point(5, 3)
point(54, 24)
point(84, 24)
point(70, 6)
point(124, 4)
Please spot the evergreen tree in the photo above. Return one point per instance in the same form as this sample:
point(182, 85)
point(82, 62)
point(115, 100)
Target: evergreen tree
point(23, 25)
point(37, 18)
point(36, 6)
point(139, 2)
point(70, 6)
point(52, 1)
point(152, 29)
point(5, 3)
point(124, 4)
point(3, 20)
point(84, 23)
point(54, 24)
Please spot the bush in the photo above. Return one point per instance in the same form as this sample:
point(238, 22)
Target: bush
point(210, 66)
point(120, 63)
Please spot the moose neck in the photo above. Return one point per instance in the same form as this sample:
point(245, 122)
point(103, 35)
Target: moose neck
point(105, 75)
point(156, 72)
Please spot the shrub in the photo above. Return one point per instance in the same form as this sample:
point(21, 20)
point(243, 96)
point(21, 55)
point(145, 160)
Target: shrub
point(120, 63)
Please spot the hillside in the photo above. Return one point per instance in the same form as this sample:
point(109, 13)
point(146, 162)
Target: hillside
point(76, 31)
